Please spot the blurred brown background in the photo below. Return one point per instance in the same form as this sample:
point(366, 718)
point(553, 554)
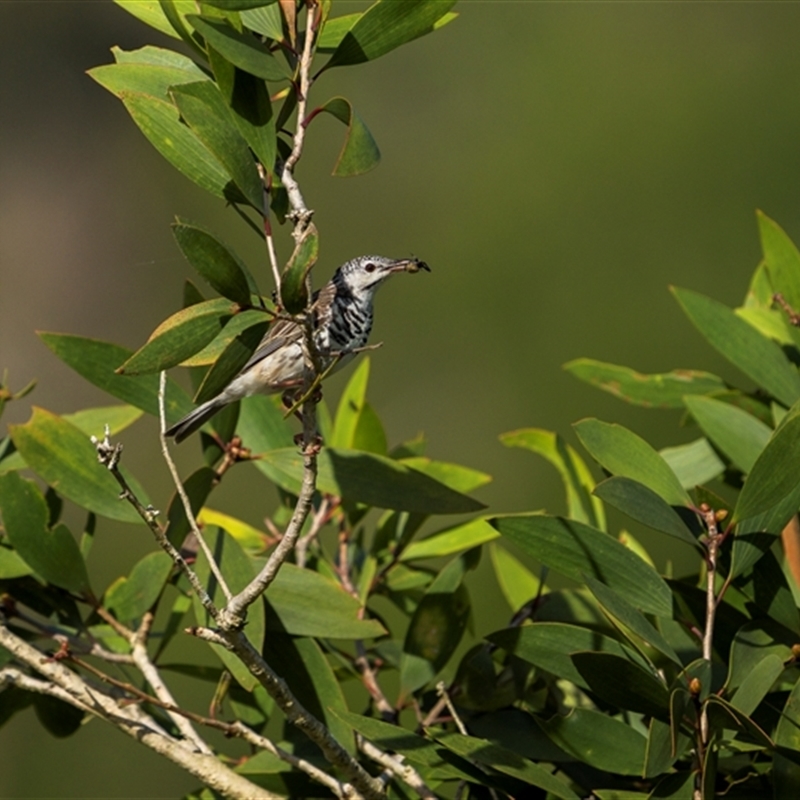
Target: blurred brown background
point(558, 165)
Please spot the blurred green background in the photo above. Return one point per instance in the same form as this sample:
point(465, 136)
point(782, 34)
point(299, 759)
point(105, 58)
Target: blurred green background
point(558, 165)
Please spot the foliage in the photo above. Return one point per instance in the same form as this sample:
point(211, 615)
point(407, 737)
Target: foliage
point(627, 684)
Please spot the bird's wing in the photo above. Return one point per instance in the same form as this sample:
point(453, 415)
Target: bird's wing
point(323, 302)
point(281, 332)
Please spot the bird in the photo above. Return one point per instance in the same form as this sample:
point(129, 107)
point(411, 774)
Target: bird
point(342, 314)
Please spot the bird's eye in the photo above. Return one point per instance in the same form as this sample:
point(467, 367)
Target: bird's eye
point(369, 266)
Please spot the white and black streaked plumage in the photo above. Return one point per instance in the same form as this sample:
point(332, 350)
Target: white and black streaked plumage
point(343, 314)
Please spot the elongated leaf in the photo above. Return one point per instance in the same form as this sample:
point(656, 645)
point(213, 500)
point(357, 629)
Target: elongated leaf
point(309, 604)
point(64, 457)
point(722, 714)
point(599, 741)
point(237, 568)
point(214, 261)
point(294, 291)
point(262, 426)
point(754, 642)
point(694, 463)
point(550, 645)
point(506, 761)
point(248, 537)
point(159, 121)
point(645, 506)
point(371, 479)
point(205, 111)
point(758, 357)
point(624, 453)
point(664, 390)
point(757, 683)
point(97, 362)
point(231, 361)
point(233, 327)
point(131, 597)
point(738, 434)
point(623, 683)
point(786, 772)
point(239, 5)
point(243, 50)
point(334, 30)
point(457, 477)
point(351, 404)
point(631, 618)
point(197, 487)
point(385, 25)
point(359, 153)
point(12, 565)
point(180, 336)
point(452, 540)
point(518, 584)
point(93, 421)
point(267, 20)
point(53, 554)
point(148, 79)
point(575, 550)
point(782, 260)
point(159, 57)
point(775, 475)
point(150, 12)
point(577, 479)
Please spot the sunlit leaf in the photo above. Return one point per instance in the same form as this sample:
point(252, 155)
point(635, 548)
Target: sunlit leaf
point(129, 598)
point(782, 260)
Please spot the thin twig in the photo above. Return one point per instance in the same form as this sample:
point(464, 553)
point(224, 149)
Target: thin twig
point(318, 521)
point(441, 690)
point(397, 766)
point(176, 479)
point(273, 257)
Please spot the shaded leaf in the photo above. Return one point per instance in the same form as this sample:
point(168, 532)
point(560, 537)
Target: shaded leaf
point(53, 554)
point(664, 390)
point(738, 434)
point(518, 584)
point(334, 30)
point(645, 506)
point(385, 25)
point(756, 356)
point(197, 488)
point(752, 643)
point(243, 50)
point(58, 718)
point(359, 153)
point(757, 683)
point(129, 598)
point(575, 550)
point(294, 290)
point(97, 362)
point(624, 453)
point(266, 20)
point(64, 457)
point(233, 327)
point(183, 334)
point(786, 772)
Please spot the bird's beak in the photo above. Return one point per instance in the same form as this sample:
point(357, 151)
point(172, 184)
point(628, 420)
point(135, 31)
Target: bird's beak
point(409, 265)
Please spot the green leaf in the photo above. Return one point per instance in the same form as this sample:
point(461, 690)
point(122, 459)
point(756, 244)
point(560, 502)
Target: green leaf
point(453, 540)
point(371, 479)
point(160, 122)
point(197, 487)
point(311, 679)
point(759, 358)
point(550, 645)
point(578, 481)
point(238, 5)
point(517, 583)
point(231, 361)
point(205, 111)
point(645, 506)
point(575, 550)
point(237, 568)
point(752, 643)
point(268, 21)
point(622, 683)
point(262, 426)
point(233, 327)
point(93, 421)
point(461, 479)
point(294, 291)
point(782, 260)
point(757, 683)
point(351, 404)
point(129, 598)
point(53, 554)
point(370, 437)
point(359, 153)
point(631, 618)
point(309, 604)
point(180, 336)
point(624, 453)
point(738, 434)
point(248, 99)
point(436, 627)
point(723, 715)
point(149, 79)
point(776, 472)
point(695, 463)
point(150, 12)
point(215, 262)
point(159, 57)
point(334, 30)
point(12, 566)
point(97, 362)
point(506, 761)
point(599, 741)
point(385, 25)
point(786, 772)
point(248, 537)
point(665, 390)
point(64, 457)
point(243, 50)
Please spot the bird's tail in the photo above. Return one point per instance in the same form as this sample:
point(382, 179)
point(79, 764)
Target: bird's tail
point(194, 420)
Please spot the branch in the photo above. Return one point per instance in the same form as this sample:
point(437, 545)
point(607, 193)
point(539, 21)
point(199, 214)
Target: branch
point(405, 772)
point(176, 478)
point(63, 683)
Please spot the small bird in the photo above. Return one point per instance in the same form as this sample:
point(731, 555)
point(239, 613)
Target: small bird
point(342, 316)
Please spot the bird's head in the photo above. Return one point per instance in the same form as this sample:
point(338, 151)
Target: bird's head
point(363, 275)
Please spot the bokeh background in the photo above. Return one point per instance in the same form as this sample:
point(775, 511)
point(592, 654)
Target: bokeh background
point(558, 164)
